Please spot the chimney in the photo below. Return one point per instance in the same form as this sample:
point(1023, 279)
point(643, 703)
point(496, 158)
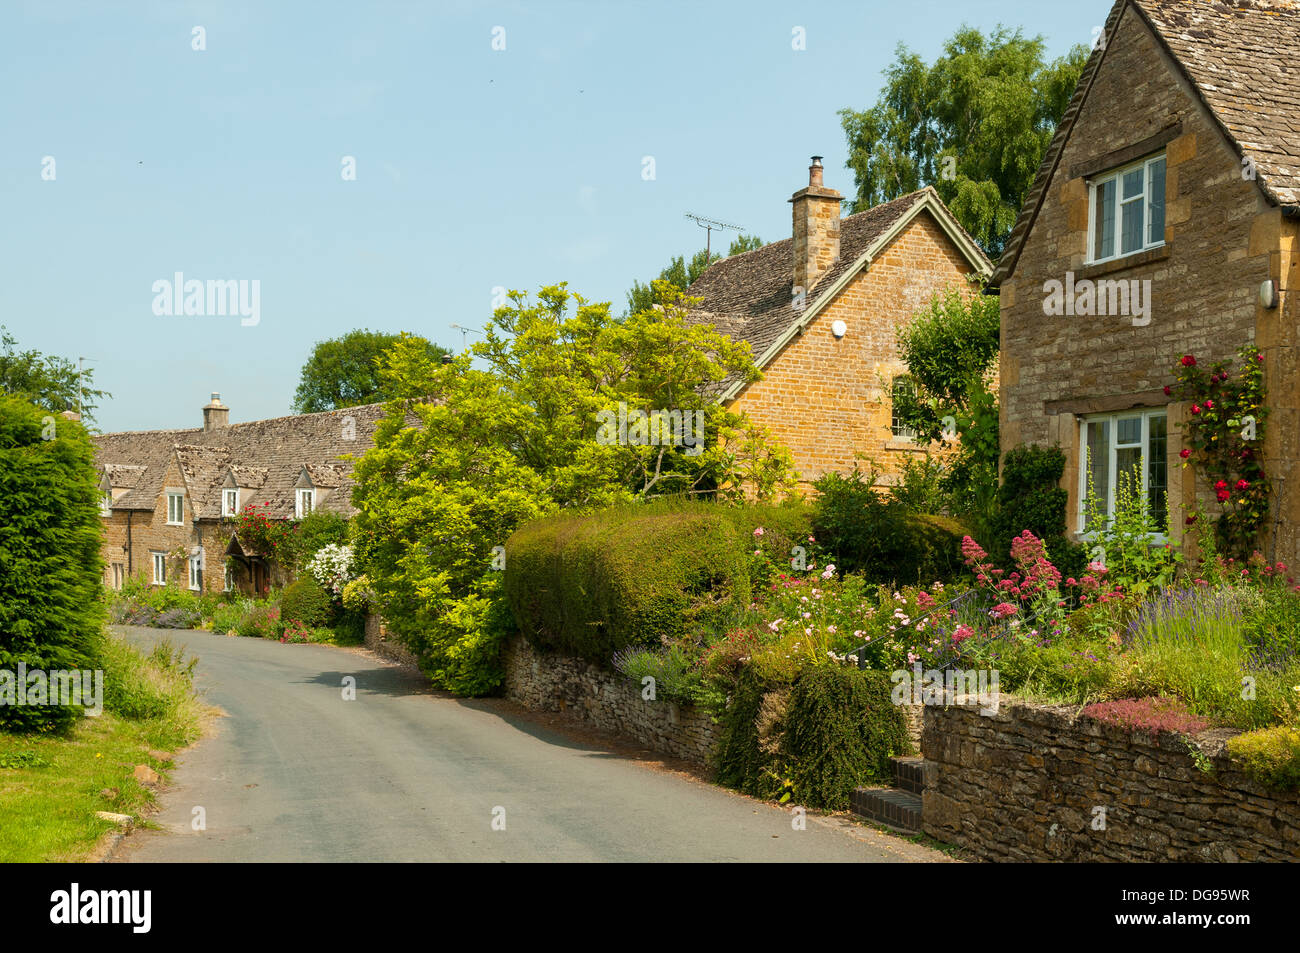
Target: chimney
point(816, 228)
point(215, 414)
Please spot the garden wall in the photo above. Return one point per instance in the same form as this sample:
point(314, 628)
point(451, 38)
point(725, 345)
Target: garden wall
point(606, 700)
point(1024, 785)
point(377, 641)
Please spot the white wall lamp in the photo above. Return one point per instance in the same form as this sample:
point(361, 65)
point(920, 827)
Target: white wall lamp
point(839, 328)
point(1268, 293)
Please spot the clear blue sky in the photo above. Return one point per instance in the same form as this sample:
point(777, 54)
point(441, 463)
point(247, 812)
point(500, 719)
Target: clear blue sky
point(476, 168)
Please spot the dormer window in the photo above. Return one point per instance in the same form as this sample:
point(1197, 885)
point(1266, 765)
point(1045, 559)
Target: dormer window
point(105, 502)
point(230, 502)
point(1126, 210)
point(304, 502)
point(175, 508)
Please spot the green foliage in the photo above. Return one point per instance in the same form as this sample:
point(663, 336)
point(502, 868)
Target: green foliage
point(1031, 498)
point(261, 622)
point(344, 371)
point(318, 529)
point(1133, 561)
point(593, 585)
point(863, 531)
point(154, 686)
point(749, 736)
point(48, 381)
point(676, 677)
point(520, 437)
point(975, 124)
point(680, 275)
point(920, 485)
point(51, 595)
point(1270, 756)
point(305, 600)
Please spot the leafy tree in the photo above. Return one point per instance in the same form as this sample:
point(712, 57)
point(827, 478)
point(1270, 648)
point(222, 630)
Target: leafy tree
point(975, 124)
point(46, 380)
point(344, 371)
point(51, 569)
point(681, 275)
point(951, 351)
point(526, 435)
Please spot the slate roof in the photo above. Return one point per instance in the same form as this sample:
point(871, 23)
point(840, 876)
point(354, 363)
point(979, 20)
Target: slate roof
point(748, 297)
point(1243, 59)
point(266, 455)
point(122, 476)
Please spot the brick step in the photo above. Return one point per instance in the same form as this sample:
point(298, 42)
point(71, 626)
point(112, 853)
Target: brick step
point(909, 774)
point(889, 806)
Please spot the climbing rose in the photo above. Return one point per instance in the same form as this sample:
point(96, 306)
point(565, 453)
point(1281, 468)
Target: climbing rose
point(1184, 453)
point(1189, 361)
point(1243, 484)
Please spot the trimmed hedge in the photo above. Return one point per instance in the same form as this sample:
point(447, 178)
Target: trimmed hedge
point(305, 600)
point(831, 731)
point(51, 571)
point(637, 575)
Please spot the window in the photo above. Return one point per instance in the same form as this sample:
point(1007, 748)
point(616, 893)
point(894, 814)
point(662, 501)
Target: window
point(159, 569)
point(1129, 446)
point(230, 502)
point(119, 573)
point(303, 503)
point(902, 391)
point(1126, 210)
point(230, 580)
point(105, 501)
point(196, 572)
point(175, 509)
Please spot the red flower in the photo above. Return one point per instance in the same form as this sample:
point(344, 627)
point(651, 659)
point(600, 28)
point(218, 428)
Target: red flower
point(1189, 361)
point(1221, 485)
point(1243, 484)
point(1209, 405)
point(1259, 357)
point(1168, 392)
point(1184, 453)
point(1190, 520)
point(1223, 496)
point(1196, 408)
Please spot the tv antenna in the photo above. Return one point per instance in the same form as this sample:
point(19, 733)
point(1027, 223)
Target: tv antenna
point(709, 225)
point(464, 331)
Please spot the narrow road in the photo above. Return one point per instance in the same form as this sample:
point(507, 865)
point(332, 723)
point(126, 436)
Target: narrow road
point(297, 773)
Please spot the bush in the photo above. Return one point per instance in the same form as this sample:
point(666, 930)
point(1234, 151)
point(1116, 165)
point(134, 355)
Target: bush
point(592, 585)
point(749, 737)
point(1031, 498)
point(863, 531)
point(305, 600)
point(1270, 756)
point(261, 622)
point(51, 570)
point(1149, 715)
point(841, 729)
point(317, 530)
point(140, 687)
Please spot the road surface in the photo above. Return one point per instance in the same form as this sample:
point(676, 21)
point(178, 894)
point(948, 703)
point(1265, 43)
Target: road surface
point(294, 772)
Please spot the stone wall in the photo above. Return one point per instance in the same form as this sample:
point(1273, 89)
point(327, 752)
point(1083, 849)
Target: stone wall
point(606, 700)
point(377, 641)
point(1027, 784)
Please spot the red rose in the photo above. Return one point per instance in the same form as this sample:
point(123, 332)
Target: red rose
point(1168, 392)
point(1196, 408)
point(1190, 520)
point(1189, 361)
point(1243, 484)
point(1221, 485)
point(1184, 453)
point(1223, 496)
point(1209, 405)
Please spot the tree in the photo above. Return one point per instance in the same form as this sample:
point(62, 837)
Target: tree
point(975, 125)
point(681, 275)
point(344, 371)
point(552, 421)
point(951, 350)
point(46, 380)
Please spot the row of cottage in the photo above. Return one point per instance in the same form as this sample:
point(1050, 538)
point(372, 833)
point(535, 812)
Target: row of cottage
point(1176, 166)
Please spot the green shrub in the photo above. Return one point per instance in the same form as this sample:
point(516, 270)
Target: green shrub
point(305, 600)
point(317, 530)
point(1031, 498)
point(261, 622)
point(841, 729)
point(863, 531)
point(1270, 756)
point(592, 585)
point(51, 570)
point(746, 758)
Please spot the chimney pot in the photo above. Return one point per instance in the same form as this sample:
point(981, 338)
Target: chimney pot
point(215, 414)
point(816, 243)
point(815, 172)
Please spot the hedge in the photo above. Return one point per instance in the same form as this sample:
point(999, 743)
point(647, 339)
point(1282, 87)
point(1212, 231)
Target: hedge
point(594, 584)
point(305, 600)
point(51, 570)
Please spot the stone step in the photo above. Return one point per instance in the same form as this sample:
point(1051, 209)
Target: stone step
point(909, 774)
point(890, 806)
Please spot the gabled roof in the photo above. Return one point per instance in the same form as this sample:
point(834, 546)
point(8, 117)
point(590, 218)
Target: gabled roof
point(748, 297)
point(119, 476)
point(1243, 60)
point(265, 455)
point(326, 477)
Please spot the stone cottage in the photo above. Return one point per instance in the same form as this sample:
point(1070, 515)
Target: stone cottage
point(169, 497)
point(1171, 196)
point(820, 311)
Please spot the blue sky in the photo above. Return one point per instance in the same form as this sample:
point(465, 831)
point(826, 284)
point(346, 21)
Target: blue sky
point(475, 168)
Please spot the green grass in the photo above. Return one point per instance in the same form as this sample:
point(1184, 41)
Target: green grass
point(50, 785)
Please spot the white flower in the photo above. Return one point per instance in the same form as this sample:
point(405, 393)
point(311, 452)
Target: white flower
point(332, 567)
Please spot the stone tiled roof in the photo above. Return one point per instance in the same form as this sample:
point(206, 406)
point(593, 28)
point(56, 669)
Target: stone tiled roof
point(266, 455)
point(122, 476)
point(1242, 58)
point(748, 297)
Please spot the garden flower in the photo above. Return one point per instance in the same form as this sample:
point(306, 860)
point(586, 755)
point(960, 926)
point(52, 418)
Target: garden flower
point(1196, 408)
point(758, 531)
point(962, 633)
point(1168, 392)
point(1209, 405)
point(828, 571)
point(1223, 496)
point(1188, 361)
point(1243, 485)
point(1184, 453)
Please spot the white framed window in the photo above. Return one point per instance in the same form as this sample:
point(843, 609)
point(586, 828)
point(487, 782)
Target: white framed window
point(230, 502)
point(159, 569)
point(304, 502)
point(105, 501)
point(1126, 210)
point(175, 509)
point(196, 572)
point(901, 389)
point(1132, 444)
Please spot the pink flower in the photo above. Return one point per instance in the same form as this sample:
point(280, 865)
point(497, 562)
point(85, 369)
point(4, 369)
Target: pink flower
point(758, 531)
point(963, 633)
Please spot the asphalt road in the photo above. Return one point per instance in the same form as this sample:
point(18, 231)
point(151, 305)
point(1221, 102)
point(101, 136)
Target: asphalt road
point(293, 772)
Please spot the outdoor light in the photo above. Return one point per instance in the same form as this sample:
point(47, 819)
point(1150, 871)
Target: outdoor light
point(1268, 293)
point(839, 328)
